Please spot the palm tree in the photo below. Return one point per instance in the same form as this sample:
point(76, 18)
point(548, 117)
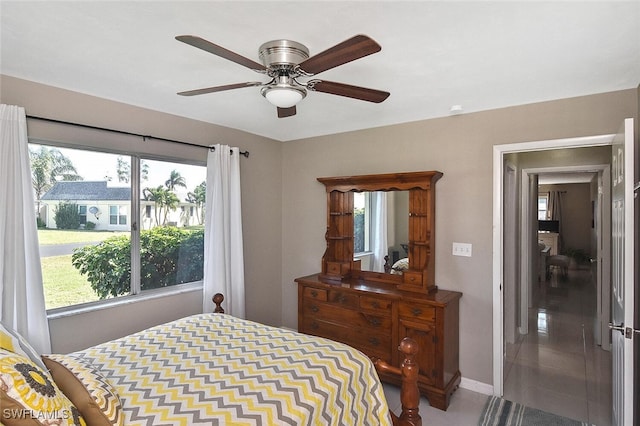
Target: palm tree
point(48, 166)
point(197, 197)
point(175, 179)
point(170, 201)
point(155, 195)
point(163, 199)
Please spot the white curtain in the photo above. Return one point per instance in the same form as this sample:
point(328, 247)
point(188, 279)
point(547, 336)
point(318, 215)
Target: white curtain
point(223, 251)
point(379, 229)
point(555, 213)
point(21, 291)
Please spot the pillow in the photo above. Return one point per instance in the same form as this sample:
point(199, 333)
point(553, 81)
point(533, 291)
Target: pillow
point(400, 265)
point(12, 341)
point(28, 396)
point(87, 388)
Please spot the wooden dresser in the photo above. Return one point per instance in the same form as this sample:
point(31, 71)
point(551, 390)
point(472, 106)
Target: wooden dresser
point(375, 317)
point(373, 311)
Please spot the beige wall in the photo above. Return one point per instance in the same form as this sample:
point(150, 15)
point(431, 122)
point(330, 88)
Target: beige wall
point(461, 148)
point(261, 199)
point(284, 208)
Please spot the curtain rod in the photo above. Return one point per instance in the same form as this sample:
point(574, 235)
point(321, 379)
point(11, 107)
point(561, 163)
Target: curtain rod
point(122, 132)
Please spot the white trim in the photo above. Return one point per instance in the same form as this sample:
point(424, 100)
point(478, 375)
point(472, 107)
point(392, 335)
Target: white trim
point(72, 310)
point(476, 386)
point(498, 157)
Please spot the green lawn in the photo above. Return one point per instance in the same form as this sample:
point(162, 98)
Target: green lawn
point(63, 236)
point(63, 284)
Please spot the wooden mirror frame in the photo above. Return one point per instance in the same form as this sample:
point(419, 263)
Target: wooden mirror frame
point(338, 263)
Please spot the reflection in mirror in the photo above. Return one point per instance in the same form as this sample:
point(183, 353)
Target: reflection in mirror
point(381, 228)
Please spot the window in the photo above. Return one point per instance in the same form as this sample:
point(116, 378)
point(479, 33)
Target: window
point(117, 215)
point(361, 221)
point(82, 213)
point(85, 197)
point(543, 206)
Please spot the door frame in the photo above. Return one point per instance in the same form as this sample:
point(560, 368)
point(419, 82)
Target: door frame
point(511, 272)
point(602, 223)
point(499, 151)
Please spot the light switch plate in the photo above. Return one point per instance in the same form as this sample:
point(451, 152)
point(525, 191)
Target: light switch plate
point(462, 249)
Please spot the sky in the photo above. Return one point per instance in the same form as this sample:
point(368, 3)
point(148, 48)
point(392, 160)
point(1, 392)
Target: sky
point(95, 166)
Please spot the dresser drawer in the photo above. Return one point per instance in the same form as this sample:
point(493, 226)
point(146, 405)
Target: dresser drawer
point(315, 293)
point(342, 316)
point(376, 304)
point(376, 345)
point(417, 311)
point(343, 298)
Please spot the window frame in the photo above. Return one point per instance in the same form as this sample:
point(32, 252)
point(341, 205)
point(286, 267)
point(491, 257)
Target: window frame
point(545, 196)
point(136, 294)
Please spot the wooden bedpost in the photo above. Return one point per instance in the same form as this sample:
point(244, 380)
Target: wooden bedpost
point(409, 392)
point(217, 299)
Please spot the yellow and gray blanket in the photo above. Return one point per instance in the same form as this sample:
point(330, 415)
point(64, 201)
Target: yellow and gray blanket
point(215, 369)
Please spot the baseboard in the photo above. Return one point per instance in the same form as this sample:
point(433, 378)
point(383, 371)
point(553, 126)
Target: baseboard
point(476, 386)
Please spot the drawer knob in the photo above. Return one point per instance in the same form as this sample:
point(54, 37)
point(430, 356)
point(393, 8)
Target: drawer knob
point(314, 325)
point(341, 298)
point(314, 308)
point(374, 341)
point(375, 304)
point(375, 321)
point(416, 311)
point(314, 293)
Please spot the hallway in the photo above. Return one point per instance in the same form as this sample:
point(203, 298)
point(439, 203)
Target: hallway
point(557, 367)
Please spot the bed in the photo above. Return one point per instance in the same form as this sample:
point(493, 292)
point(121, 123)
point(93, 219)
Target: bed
point(209, 369)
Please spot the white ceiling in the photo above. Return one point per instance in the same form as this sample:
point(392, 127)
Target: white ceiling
point(480, 55)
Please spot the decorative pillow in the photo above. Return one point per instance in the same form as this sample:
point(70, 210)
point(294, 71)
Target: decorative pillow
point(12, 341)
point(28, 396)
point(87, 388)
point(400, 265)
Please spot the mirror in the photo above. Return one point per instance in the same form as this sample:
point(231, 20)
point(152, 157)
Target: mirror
point(381, 230)
point(340, 264)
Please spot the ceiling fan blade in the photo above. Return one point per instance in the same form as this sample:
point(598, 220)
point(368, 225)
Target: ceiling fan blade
point(205, 45)
point(219, 88)
point(349, 50)
point(286, 112)
point(347, 90)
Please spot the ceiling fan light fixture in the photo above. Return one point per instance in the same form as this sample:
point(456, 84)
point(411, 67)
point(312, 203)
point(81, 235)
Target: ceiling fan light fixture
point(283, 96)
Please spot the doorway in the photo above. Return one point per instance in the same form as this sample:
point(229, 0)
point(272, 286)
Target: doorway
point(556, 363)
point(526, 244)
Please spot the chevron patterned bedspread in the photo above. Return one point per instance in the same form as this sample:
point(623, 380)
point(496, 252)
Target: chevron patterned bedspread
point(215, 369)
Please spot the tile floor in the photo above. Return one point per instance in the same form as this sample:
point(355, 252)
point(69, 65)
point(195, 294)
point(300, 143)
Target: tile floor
point(557, 367)
point(464, 409)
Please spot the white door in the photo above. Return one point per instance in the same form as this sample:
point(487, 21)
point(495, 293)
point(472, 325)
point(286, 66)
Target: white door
point(622, 271)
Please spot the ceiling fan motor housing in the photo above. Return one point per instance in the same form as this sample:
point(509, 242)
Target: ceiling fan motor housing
point(282, 54)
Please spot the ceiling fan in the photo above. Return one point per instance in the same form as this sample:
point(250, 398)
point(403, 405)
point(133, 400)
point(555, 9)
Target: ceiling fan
point(284, 61)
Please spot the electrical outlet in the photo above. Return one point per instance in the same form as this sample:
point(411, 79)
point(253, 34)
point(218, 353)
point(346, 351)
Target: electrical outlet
point(462, 249)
